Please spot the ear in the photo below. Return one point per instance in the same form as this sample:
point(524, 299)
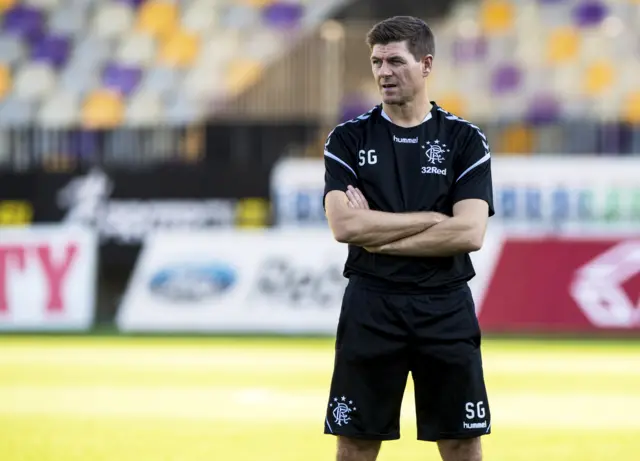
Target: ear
point(427, 65)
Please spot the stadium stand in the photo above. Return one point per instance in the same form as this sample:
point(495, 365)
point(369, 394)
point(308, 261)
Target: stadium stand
point(138, 63)
point(147, 54)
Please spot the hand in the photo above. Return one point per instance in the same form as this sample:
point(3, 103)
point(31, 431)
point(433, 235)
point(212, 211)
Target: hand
point(440, 216)
point(356, 198)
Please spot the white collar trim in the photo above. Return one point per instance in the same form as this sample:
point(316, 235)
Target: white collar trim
point(427, 118)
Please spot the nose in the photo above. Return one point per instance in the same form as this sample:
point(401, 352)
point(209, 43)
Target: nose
point(384, 70)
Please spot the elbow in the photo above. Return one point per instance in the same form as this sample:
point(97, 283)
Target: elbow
point(344, 233)
point(344, 230)
point(474, 241)
point(475, 245)
point(342, 237)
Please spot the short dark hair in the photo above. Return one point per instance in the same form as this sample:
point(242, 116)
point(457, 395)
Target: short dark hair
point(419, 36)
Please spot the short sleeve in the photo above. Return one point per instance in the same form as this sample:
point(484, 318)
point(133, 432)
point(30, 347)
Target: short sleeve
point(339, 169)
point(473, 170)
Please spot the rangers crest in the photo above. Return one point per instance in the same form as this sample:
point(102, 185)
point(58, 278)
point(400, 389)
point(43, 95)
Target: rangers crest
point(341, 410)
point(435, 151)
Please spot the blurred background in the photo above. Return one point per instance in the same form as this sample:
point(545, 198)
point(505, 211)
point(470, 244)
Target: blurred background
point(169, 288)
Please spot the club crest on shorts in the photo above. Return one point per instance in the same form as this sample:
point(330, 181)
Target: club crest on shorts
point(341, 408)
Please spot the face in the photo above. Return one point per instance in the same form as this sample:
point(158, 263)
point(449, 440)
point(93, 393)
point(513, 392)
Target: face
point(400, 77)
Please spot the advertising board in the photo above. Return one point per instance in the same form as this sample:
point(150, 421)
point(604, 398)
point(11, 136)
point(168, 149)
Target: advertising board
point(541, 191)
point(236, 281)
point(47, 278)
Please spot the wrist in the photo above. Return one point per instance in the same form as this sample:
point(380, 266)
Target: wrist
point(378, 248)
point(389, 247)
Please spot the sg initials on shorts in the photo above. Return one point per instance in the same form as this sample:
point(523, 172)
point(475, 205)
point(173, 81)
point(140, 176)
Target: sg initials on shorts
point(475, 410)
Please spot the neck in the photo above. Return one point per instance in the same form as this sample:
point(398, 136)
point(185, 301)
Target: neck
point(409, 114)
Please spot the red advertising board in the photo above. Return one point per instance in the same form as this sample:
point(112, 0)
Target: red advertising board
point(563, 284)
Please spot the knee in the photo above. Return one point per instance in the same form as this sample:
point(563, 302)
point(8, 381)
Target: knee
point(461, 449)
point(350, 449)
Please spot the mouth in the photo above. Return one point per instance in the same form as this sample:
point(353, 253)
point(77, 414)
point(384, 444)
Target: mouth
point(387, 86)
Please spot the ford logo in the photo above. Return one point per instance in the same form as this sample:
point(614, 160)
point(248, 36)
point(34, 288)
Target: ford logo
point(192, 282)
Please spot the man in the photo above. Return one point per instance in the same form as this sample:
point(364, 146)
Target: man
point(408, 187)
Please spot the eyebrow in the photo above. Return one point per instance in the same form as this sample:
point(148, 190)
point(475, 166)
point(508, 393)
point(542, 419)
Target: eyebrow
point(390, 58)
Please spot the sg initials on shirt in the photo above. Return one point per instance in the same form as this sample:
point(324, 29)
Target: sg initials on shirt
point(367, 157)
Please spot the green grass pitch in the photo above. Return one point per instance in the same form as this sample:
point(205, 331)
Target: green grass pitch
point(176, 399)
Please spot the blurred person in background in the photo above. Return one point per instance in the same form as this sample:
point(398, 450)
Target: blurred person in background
point(408, 187)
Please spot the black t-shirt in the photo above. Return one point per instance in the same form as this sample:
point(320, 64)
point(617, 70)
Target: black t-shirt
point(428, 167)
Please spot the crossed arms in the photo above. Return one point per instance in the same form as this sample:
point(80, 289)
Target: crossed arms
point(406, 234)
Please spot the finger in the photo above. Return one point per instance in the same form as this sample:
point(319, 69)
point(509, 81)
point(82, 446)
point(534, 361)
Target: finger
point(358, 200)
point(352, 199)
point(362, 198)
point(366, 202)
point(358, 196)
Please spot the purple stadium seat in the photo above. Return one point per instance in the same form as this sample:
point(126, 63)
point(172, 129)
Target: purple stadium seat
point(53, 49)
point(84, 143)
point(589, 13)
point(282, 14)
point(352, 107)
point(543, 109)
point(133, 3)
point(121, 78)
point(469, 49)
point(505, 79)
point(24, 21)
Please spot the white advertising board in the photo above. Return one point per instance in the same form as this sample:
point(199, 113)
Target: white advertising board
point(265, 281)
point(539, 191)
point(47, 278)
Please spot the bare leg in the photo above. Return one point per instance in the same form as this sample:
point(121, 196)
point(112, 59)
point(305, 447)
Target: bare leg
point(460, 450)
point(350, 449)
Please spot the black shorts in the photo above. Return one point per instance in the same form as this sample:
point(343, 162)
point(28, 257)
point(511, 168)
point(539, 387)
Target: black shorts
point(383, 336)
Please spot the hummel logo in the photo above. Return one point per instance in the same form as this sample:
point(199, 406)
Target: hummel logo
point(405, 140)
point(482, 425)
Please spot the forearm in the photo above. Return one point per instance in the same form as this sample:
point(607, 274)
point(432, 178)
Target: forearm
point(375, 228)
point(450, 237)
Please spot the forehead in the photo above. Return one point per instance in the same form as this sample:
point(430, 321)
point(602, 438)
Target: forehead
point(390, 49)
